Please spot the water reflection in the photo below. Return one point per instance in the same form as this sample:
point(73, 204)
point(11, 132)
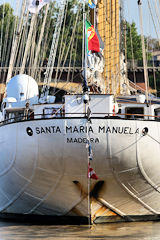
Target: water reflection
point(118, 231)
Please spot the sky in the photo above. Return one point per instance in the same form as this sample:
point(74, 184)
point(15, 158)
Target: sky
point(130, 14)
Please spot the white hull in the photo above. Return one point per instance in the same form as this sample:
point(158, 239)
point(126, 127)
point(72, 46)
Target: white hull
point(46, 173)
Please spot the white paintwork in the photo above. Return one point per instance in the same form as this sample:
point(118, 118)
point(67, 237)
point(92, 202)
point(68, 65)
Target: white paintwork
point(141, 98)
point(99, 105)
point(37, 173)
point(22, 87)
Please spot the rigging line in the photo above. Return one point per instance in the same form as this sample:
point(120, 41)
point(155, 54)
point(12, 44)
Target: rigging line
point(60, 51)
point(40, 39)
point(14, 44)
point(2, 30)
point(31, 56)
point(72, 45)
point(157, 12)
point(71, 40)
point(132, 52)
point(61, 54)
point(7, 22)
point(133, 60)
point(45, 41)
point(28, 44)
point(150, 10)
point(67, 36)
point(1, 37)
point(21, 44)
point(74, 61)
point(20, 40)
point(12, 34)
point(23, 30)
point(153, 61)
point(147, 39)
point(54, 46)
point(153, 138)
point(32, 51)
point(147, 53)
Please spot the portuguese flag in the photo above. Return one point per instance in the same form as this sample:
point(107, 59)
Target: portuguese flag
point(92, 40)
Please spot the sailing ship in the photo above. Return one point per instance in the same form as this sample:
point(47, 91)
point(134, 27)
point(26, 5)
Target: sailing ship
point(47, 148)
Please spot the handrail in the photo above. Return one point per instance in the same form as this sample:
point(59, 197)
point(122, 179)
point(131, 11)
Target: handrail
point(63, 115)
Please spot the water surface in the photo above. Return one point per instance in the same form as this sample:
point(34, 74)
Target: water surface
point(117, 231)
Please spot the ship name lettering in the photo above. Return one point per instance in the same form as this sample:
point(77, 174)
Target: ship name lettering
point(82, 140)
point(80, 129)
point(118, 130)
point(46, 130)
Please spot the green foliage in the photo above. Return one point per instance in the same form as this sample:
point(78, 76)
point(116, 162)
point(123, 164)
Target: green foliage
point(153, 44)
point(5, 11)
point(49, 28)
point(133, 41)
point(134, 44)
point(66, 38)
point(65, 35)
point(7, 24)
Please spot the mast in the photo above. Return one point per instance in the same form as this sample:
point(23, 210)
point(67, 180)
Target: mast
point(85, 84)
point(143, 50)
point(108, 27)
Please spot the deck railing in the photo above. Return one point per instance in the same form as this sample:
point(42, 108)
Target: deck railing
point(126, 116)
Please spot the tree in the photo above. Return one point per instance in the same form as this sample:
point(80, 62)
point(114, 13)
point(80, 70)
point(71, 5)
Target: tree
point(72, 30)
point(153, 44)
point(134, 43)
point(7, 23)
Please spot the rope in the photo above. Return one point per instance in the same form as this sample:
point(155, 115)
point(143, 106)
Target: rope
point(71, 51)
point(73, 32)
point(1, 37)
point(74, 61)
point(150, 10)
point(5, 40)
point(133, 65)
point(153, 138)
point(45, 42)
point(40, 39)
point(20, 40)
point(54, 46)
point(28, 44)
point(154, 74)
point(62, 39)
